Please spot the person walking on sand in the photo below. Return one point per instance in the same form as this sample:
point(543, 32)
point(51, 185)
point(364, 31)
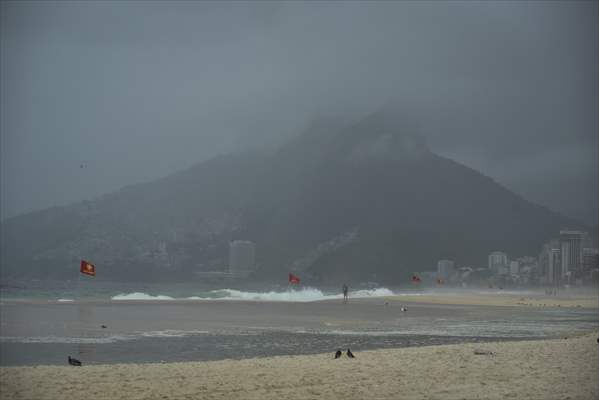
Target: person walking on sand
point(345, 289)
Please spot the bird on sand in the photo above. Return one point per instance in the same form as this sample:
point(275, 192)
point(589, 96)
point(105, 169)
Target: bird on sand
point(338, 354)
point(350, 354)
point(74, 361)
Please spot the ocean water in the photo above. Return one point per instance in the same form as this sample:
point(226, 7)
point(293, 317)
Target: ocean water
point(100, 322)
point(88, 289)
point(212, 346)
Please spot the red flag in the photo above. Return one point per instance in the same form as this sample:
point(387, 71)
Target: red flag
point(415, 279)
point(88, 268)
point(293, 278)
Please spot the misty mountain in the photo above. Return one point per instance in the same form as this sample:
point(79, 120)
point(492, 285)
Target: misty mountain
point(368, 201)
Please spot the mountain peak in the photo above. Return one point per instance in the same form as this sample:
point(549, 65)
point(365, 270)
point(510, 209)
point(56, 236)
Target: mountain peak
point(386, 135)
point(339, 200)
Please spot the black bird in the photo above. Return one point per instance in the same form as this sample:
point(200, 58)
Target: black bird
point(338, 354)
point(74, 361)
point(104, 326)
point(350, 354)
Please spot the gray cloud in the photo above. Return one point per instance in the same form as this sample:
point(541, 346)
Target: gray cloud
point(137, 90)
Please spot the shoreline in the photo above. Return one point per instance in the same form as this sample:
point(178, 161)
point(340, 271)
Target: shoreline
point(497, 300)
point(502, 300)
point(536, 369)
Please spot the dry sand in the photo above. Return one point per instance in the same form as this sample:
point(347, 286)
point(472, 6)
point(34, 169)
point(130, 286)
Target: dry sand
point(568, 301)
point(546, 369)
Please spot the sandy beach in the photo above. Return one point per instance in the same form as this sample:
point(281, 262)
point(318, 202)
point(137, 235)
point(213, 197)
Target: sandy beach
point(542, 369)
point(508, 299)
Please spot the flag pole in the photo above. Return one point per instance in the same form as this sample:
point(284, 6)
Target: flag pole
point(79, 285)
point(78, 328)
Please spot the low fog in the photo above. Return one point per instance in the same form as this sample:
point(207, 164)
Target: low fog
point(98, 95)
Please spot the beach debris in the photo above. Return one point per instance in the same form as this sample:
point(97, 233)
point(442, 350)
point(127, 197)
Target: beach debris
point(338, 353)
point(74, 362)
point(480, 352)
point(104, 327)
point(350, 354)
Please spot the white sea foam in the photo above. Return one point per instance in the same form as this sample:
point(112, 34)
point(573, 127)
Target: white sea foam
point(378, 292)
point(99, 340)
point(169, 333)
point(362, 333)
point(140, 296)
point(299, 295)
point(64, 339)
point(64, 300)
point(307, 294)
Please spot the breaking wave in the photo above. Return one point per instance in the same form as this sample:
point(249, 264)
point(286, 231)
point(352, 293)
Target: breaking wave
point(140, 296)
point(307, 294)
point(378, 292)
point(301, 295)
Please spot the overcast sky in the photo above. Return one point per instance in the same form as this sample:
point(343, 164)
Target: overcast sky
point(135, 91)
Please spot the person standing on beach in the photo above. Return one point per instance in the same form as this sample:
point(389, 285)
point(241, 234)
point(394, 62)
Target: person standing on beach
point(345, 290)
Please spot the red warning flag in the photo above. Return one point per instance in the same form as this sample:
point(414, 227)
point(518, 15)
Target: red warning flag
point(293, 278)
point(88, 268)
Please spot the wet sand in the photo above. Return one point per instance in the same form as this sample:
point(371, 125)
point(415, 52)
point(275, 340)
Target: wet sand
point(508, 299)
point(542, 369)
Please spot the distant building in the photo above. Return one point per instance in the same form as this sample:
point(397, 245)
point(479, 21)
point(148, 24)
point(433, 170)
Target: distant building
point(590, 259)
point(498, 262)
point(555, 273)
point(241, 257)
point(550, 263)
point(571, 252)
point(514, 267)
point(445, 268)
point(528, 261)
